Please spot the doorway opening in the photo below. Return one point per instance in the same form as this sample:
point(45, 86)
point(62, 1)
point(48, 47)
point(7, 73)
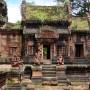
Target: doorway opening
point(46, 51)
point(79, 50)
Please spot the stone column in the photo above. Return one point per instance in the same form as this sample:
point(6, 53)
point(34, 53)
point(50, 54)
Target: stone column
point(71, 49)
point(69, 42)
point(0, 45)
point(88, 47)
point(40, 52)
point(55, 51)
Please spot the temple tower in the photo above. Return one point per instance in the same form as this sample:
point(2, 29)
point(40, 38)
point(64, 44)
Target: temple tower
point(23, 10)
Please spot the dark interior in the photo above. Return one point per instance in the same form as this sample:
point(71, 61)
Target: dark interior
point(46, 49)
point(79, 50)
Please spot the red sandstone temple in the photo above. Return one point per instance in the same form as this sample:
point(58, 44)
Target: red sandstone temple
point(47, 32)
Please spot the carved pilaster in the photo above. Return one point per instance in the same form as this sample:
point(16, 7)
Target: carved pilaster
point(88, 46)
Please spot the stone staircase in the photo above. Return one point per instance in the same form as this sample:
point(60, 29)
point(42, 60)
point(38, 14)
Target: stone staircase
point(49, 75)
point(79, 61)
point(61, 76)
point(78, 79)
point(37, 75)
point(14, 87)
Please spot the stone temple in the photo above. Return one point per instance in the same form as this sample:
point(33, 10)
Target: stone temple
point(47, 32)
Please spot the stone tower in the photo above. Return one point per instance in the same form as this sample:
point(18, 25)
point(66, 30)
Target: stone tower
point(23, 10)
point(3, 13)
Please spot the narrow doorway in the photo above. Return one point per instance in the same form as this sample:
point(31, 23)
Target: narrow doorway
point(79, 50)
point(46, 51)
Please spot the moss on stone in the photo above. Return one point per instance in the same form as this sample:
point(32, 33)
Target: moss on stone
point(79, 23)
point(45, 12)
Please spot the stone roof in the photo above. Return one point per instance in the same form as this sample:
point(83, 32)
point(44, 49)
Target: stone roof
point(45, 12)
point(79, 24)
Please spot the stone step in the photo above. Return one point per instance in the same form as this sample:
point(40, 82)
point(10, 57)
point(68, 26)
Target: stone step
point(49, 66)
point(62, 81)
point(14, 87)
point(37, 80)
point(79, 79)
point(61, 74)
point(49, 78)
point(52, 73)
point(63, 84)
point(48, 72)
point(48, 69)
point(49, 75)
point(77, 61)
point(61, 78)
point(52, 83)
point(51, 69)
point(79, 83)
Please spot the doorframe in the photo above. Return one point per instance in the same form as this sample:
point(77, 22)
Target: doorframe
point(50, 50)
point(83, 50)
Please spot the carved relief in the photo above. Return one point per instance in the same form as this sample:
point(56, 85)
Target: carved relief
point(88, 46)
point(71, 49)
point(47, 32)
point(30, 47)
point(38, 55)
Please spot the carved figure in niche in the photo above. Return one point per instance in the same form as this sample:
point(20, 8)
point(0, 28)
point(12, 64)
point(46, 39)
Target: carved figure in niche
point(38, 54)
point(60, 60)
point(36, 58)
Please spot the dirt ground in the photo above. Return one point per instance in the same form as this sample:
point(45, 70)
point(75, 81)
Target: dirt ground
point(81, 87)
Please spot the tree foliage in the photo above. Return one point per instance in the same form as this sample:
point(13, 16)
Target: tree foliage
point(81, 7)
point(16, 25)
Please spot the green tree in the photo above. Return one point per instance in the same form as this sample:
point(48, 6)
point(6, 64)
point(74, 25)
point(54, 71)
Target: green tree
point(83, 9)
point(79, 8)
point(16, 25)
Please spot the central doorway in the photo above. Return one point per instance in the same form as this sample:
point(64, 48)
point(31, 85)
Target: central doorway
point(79, 50)
point(46, 52)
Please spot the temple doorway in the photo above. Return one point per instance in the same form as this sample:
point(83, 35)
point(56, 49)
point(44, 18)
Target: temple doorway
point(46, 54)
point(46, 51)
point(79, 50)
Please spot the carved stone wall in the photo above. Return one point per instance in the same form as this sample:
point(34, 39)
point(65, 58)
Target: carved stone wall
point(10, 45)
point(88, 46)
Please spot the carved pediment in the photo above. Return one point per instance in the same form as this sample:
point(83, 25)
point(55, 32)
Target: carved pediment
point(47, 32)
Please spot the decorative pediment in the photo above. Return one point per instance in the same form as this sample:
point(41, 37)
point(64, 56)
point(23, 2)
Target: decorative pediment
point(47, 32)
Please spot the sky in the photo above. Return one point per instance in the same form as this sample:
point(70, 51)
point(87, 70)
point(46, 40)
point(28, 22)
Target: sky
point(14, 14)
